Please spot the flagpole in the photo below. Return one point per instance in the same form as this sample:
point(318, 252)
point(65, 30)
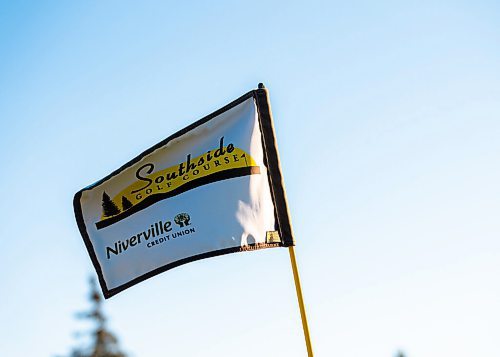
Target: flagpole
point(272, 163)
point(298, 288)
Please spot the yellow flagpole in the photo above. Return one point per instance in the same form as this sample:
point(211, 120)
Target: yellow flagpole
point(301, 300)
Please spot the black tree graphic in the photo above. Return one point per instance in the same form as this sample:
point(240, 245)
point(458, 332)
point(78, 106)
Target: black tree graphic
point(126, 204)
point(109, 208)
point(182, 219)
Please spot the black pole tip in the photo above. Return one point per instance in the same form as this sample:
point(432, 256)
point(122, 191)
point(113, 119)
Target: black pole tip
point(261, 86)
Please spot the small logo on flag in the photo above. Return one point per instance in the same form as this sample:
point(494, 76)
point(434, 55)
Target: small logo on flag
point(272, 237)
point(182, 219)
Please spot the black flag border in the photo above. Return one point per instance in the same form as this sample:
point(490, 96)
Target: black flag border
point(276, 184)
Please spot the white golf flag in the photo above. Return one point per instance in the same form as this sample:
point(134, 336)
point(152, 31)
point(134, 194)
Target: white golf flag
point(212, 188)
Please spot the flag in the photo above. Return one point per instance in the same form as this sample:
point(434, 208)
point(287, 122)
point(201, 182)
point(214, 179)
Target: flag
point(213, 188)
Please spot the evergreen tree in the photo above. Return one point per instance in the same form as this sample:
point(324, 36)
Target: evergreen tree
point(109, 208)
point(126, 204)
point(104, 343)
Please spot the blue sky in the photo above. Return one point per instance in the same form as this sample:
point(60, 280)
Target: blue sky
point(388, 125)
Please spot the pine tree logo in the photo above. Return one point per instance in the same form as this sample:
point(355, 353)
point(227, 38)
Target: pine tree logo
point(126, 204)
point(182, 219)
point(109, 208)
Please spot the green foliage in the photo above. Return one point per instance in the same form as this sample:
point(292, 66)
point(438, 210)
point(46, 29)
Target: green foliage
point(103, 342)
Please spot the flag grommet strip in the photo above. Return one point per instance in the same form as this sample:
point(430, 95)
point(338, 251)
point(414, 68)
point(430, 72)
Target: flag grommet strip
point(272, 162)
point(94, 233)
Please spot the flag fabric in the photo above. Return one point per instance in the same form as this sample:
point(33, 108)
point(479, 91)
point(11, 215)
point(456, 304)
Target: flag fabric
point(215, 187)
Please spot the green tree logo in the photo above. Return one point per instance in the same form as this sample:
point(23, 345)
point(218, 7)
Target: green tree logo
point(109, 208)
